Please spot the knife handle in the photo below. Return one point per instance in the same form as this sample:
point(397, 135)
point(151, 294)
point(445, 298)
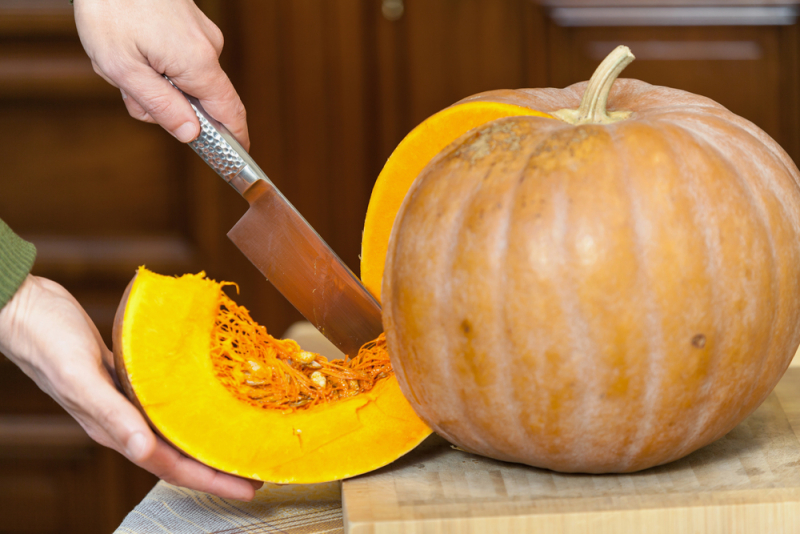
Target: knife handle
point(221, 151)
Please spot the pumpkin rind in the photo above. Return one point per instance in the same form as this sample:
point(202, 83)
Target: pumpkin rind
point(596, 298)
point(162, 345)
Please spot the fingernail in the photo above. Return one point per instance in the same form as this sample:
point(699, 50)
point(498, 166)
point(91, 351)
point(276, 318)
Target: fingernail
point(136, 446)
point(187, 132)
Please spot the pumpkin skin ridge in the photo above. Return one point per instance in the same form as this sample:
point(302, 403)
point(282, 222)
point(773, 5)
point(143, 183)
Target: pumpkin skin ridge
point(458, 236)
point(654, 334)
point(586, 351)
point(654, 397)
point(512, 396)
point(763, 140)
point(549, 127)
point(447, 288)
point(755, 201)
point(532, 150)
point(673, 143)
point(411, 193)
point(575, 321)
point(497, 169)
point(793, 215)
point(409, 390)
point(522, 414)
point(762, 210)
point(746, 189)
point(746, 129)
point(711, 108)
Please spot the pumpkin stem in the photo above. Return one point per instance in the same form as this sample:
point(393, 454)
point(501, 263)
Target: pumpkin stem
point(595, 99)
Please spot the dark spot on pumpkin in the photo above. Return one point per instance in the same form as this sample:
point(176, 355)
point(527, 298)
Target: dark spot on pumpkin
point(466, 327)
point(699, 341)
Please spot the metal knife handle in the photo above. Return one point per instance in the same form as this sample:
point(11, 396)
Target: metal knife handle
point(221, 150)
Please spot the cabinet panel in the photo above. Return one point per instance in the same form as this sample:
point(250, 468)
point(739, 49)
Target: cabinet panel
point(442, 51)
point(88, 170)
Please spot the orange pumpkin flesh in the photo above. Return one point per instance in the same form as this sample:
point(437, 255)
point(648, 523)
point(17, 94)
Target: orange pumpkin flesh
point(162, 343)
point(594, 297)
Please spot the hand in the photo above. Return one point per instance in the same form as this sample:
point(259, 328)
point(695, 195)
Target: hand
point(50, 337)
point(133, 42)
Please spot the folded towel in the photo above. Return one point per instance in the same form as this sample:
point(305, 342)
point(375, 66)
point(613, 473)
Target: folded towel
point(289, 509)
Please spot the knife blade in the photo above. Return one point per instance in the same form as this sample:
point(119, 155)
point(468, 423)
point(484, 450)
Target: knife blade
point(285, 248)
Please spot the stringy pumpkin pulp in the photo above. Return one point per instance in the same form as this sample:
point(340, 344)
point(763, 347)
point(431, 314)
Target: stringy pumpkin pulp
point(271, 373)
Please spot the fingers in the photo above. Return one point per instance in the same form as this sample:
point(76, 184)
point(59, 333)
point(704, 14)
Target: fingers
point(135, 110)
point(219, 98)
point(112, 421)
point(148, 94)
point(175, 468)
point(212, 32)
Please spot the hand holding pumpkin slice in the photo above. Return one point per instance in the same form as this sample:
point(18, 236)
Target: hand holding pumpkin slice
point(48, 335)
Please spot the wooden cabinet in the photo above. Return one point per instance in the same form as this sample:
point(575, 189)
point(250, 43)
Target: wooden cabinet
point(331, 87)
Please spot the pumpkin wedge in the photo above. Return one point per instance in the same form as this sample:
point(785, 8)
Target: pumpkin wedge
point(188, 357)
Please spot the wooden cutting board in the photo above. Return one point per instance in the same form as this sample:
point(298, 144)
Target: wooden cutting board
point(746, 483)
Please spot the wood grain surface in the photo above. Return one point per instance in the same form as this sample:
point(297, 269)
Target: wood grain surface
point(747, 482)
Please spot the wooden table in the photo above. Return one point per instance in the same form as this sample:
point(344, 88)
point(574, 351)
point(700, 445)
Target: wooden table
point(748, 482)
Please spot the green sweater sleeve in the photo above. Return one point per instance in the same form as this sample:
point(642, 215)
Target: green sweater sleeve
point(16, 261)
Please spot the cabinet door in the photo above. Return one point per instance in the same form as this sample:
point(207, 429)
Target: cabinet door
point(441, 51)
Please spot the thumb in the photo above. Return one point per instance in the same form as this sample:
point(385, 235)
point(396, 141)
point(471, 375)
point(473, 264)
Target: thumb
point(162, 102)
point(111, 420)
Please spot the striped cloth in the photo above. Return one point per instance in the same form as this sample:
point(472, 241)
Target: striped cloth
point(291, 509)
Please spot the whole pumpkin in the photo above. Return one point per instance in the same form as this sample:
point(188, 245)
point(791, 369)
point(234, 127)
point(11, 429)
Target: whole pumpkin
point(592, 291)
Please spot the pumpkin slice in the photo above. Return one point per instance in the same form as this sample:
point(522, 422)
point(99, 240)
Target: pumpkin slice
point(165, 348)
point(413, 153)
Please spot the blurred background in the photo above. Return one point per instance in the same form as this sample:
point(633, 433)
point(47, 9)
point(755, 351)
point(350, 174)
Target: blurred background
point(331, 87)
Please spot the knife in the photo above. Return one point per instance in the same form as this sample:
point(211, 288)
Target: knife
point(285, 248)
